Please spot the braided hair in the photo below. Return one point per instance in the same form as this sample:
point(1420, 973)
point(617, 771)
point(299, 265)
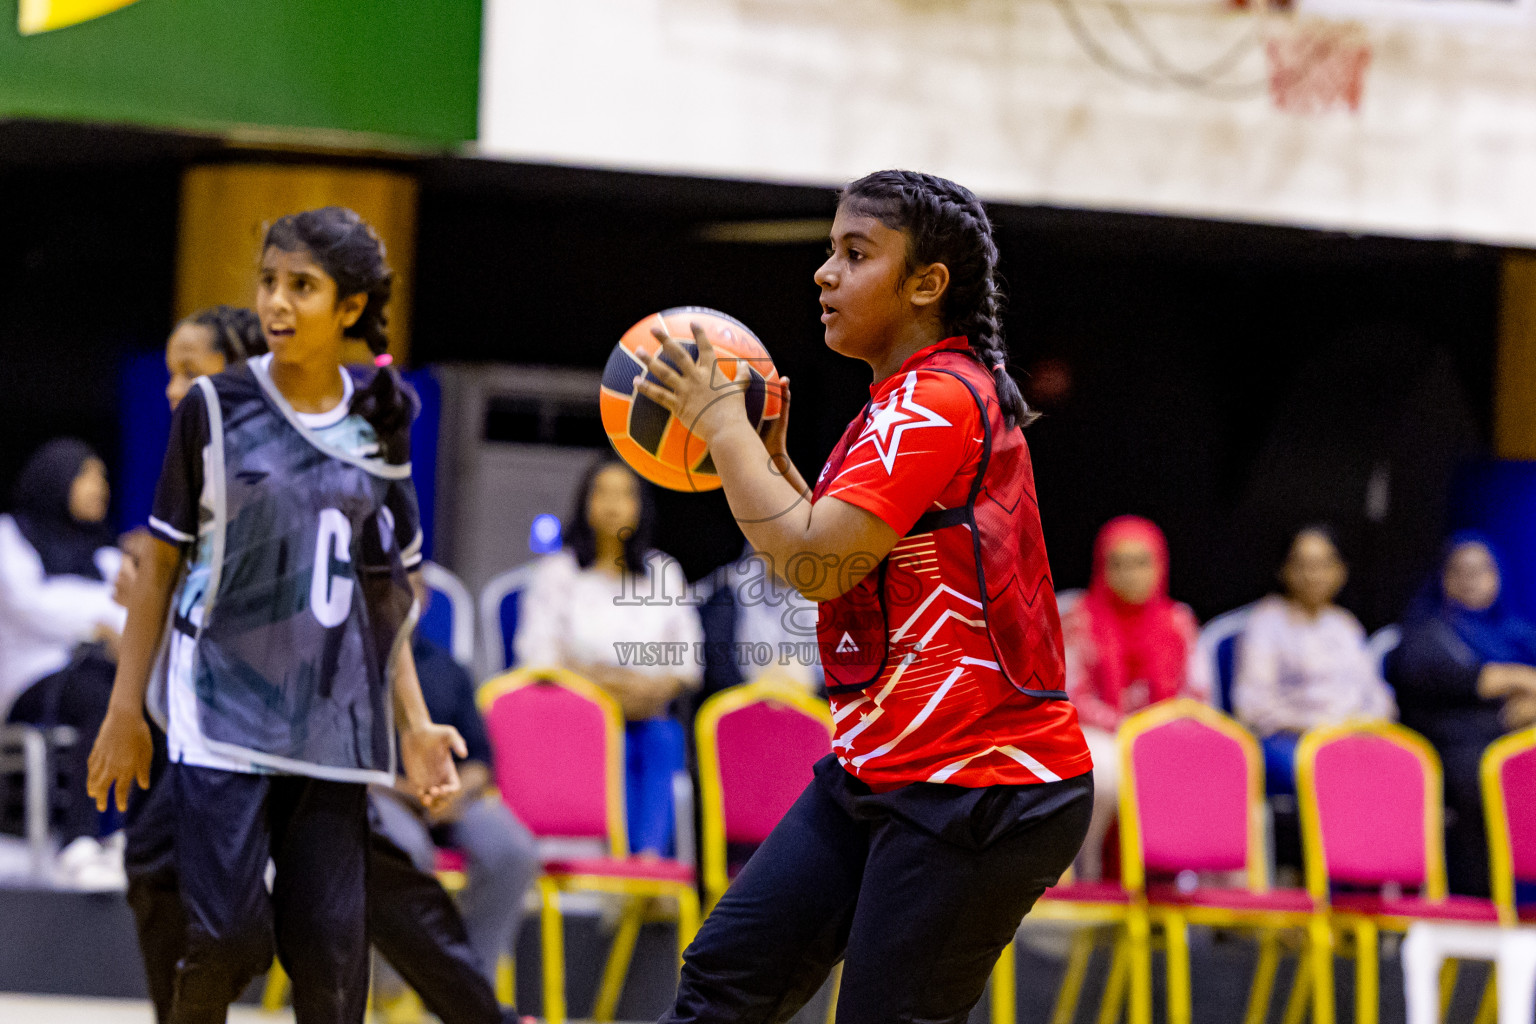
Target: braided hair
point(351, 252)
point(236, 332)
point(945, 223)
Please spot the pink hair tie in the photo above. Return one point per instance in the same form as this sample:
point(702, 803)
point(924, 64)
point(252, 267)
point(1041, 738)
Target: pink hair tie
point(383, 359)
point(997, 367)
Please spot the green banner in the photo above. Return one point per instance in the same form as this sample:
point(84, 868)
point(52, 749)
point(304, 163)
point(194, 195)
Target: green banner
point(409, 69)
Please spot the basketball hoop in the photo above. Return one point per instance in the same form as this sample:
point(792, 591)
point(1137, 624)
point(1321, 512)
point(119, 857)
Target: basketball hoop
point(1316, 65)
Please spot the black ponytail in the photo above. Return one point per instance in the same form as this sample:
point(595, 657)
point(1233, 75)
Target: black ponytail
point(347, 249)
point(236, 332)
point(945, 223)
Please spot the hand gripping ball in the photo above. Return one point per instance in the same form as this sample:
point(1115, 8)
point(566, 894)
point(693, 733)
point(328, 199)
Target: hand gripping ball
point(650, 438)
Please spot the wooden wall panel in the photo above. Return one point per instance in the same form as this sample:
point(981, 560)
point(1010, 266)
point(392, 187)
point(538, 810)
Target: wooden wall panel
point(1514, 399)
point(225, 210)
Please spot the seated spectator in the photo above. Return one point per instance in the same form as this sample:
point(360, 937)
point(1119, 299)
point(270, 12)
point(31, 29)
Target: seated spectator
point(1464, 677)
point(500, 856)
point(590, 606)
point(1302, 660)
point(77, 696)
point(756, 626)
point(57, 565)
point(1128, 646)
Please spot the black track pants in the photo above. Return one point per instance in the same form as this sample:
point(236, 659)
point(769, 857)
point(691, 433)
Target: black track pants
point(316, 834)
point(412, 921)
point(917, 891)
point(414, 924)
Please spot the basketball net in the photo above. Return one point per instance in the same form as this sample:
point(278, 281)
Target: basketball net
point(1316, 65)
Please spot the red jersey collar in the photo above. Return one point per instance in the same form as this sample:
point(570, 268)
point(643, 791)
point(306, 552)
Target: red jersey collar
point(922, 355)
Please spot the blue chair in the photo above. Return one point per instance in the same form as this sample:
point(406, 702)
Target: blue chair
point(499, 603)
point(449, 620)
point(1218, 645)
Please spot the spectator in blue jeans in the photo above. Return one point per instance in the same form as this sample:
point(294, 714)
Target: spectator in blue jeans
point(592, 606)
point(501, 859)
point(1302, 660)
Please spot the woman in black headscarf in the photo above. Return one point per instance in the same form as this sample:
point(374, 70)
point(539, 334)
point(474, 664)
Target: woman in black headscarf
point(1464, 676)
point(58, 563)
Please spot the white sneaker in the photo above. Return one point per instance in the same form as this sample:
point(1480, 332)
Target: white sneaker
point(88, 865)
point(77, 854)
point(101, 877)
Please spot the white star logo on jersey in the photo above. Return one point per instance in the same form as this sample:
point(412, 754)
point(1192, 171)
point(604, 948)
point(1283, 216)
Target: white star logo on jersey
point(894, 417)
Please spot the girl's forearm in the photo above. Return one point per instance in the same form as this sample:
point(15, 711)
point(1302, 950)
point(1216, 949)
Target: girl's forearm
point(148, 605)
point(791, 474)
point(772, 508)
point(410, 706)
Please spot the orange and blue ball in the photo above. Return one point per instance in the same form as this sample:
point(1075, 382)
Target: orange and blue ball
point(648, 437)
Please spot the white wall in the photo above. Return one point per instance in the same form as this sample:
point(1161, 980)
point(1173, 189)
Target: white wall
point(999, 95)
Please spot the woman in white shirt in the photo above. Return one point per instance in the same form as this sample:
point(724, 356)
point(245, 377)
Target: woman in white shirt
point(609, 608)
point(57, 565)
point(1302, 660)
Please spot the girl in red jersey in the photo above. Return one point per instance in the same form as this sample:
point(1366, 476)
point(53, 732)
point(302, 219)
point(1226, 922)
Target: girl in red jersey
point(959, 786)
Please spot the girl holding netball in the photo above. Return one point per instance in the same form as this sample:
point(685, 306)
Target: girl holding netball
point(959, 787)
point(267, 629)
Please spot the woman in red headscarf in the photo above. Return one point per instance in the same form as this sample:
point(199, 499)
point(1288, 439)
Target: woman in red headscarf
point(1128, 645)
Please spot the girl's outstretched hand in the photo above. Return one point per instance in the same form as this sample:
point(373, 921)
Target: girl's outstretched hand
point(426, 755)
point(120, 757)
point(696, 391)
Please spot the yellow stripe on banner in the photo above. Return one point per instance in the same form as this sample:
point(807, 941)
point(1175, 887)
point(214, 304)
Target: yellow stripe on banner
point(36, 16)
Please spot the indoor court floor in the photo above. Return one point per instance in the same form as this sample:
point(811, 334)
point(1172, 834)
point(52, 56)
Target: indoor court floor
point(16, 1008)
point(31, 1009)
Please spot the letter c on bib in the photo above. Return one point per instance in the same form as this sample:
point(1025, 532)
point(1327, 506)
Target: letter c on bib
point(330, 597)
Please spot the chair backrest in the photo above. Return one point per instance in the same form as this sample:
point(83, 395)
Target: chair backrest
point(1369, 794)
point(1382, 643)
point(558, 746)
point(1218, 646)
point(499, 604)
point(449, 620)
point(1509, 806)
point(756, 746)
point(1191, 795)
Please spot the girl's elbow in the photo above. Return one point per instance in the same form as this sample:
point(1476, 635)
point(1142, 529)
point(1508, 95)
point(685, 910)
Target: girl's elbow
point(828, 577)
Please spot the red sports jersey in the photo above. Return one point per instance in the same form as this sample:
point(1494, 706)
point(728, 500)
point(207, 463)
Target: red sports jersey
point(939, 708)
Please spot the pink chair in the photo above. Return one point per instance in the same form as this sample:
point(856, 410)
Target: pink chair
point(1099, 910)
point(756, 745)
point(559, 764)
point(1192, 801)
point(1509, 806)
point(1370, 800)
